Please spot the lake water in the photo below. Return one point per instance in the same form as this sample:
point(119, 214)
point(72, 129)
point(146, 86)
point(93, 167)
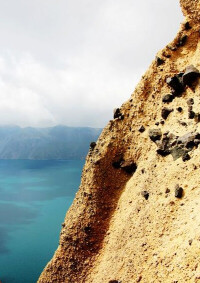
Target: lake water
point(34, 197)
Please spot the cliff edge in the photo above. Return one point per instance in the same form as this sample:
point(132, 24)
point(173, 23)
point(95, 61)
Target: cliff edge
point(136, 217)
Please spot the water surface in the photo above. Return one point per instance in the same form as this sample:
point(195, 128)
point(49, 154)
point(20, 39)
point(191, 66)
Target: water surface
point(34, 197)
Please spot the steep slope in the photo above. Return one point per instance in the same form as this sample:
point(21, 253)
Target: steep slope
point(59, 142)
point(135, 217)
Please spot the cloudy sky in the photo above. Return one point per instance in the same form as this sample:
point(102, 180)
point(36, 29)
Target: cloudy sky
point(72, 61)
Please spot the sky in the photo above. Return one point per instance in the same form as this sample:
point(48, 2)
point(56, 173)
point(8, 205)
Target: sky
point(71, 62)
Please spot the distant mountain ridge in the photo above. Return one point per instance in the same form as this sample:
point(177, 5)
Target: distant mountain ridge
point(59, 142)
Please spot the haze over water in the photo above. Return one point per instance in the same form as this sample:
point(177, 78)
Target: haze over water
point(34, 197)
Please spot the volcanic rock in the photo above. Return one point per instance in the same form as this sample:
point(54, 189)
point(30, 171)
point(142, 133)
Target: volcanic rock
point(182, 40)
point(180, 109)
point(187, 26)
point(92, 145)
point(176, 84)
point(190, 75)
point(140, 237)
point(190, 101)
point(191, 115)
point(185, 157)
point(141, 129)
point(165, 112)
point(128, 166)
point(177, 152)
point(145, 194)
point(159, 61)
point(118, 114)
point(178, 192)
point(167, 98)
point(155, 134)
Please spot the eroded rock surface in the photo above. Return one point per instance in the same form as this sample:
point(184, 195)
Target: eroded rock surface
point(136, 217)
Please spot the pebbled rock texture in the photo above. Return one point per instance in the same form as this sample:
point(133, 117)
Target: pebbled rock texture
point(129, 221)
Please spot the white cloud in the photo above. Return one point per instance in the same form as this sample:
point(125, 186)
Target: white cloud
point(72, 62)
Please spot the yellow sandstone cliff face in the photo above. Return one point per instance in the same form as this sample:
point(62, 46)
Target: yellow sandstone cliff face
point(130, 220)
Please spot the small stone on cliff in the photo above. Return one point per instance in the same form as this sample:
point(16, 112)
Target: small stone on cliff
point(179, 109)
point(117, 163)
point(190, 144)
point(139, 279)
point(141, 129)
point(92, 145)
point(178, 192)
point(145, 194)
point(155, 134)
point(182, 40)
point(190, 242)
point(163, 152)
point(191, 114)
point(196, 142)
point(187, 138)
point(115, 281)
point(190, 75)
point(176, 84)
point(165, 112)
point(128, 166)
point(187, 26)
point(163, 146)
point(159, 61)
point(118, 114)
point(177, 152)
point(167, 98)
point(190, 101)
point(197, 117)
point(185, 157)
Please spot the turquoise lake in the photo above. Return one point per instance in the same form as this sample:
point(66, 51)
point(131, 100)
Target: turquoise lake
point(34, 198)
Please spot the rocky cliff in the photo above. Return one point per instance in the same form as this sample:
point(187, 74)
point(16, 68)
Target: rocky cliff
point(136, 217)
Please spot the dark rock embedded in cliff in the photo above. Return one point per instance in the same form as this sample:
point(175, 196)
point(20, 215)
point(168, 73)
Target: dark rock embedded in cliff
point(187, 138)
point(179, 109)
point(186, 157)
point(92, 145)
point(177, 152)
point(178, 146)
point(155, 134)
point(159, 61)
point(176, 84)
point(128, 166)
point(145, 194)
point(189, 145)
point(178, 192)
point(165, 112)
point(182, 40)
point(118, 114)
point(187, 26)
point(197, 117)
point(190, 101)
point(167, 98)
point(190, 75)
point(141, 129)
point(163, 146)
point(191, 114)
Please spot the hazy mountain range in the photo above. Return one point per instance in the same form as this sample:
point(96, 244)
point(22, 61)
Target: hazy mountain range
point(59, 142)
